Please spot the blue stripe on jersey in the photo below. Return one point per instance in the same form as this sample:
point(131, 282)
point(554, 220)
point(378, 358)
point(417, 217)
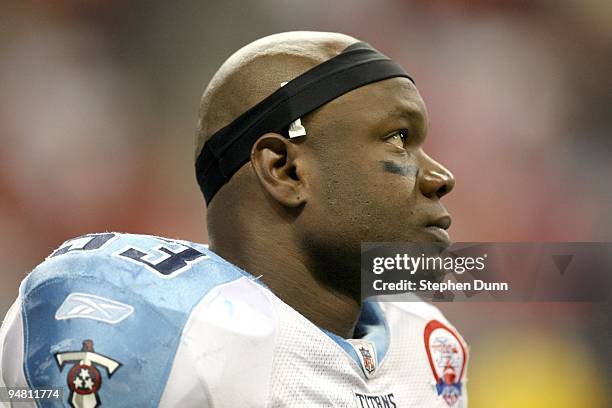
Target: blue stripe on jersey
point(123, 269)
point(371, 326)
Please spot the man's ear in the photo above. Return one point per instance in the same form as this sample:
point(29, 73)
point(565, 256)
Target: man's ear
point(274, 159)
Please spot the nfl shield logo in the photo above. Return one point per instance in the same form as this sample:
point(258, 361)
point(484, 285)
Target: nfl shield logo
point(367, 356)
point(368, 361)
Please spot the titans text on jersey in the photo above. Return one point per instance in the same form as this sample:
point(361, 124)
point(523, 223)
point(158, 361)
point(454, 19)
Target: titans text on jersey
point(122, 320)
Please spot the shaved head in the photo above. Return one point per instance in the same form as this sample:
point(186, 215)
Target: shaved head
point(257, 70)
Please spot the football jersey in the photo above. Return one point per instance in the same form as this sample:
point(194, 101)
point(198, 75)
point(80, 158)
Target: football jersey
point(124, 320)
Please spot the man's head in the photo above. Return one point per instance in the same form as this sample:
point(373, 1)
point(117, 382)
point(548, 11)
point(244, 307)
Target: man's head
point(360, 174)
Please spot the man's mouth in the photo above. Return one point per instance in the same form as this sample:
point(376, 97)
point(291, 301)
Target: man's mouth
point(443, 222)
point(438, 228)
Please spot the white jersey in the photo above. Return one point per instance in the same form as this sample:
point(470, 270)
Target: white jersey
point(122, 320)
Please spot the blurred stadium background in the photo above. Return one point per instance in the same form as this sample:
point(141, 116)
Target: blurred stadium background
point(98, 105)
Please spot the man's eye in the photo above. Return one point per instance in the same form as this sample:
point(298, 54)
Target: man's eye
point(399, 138)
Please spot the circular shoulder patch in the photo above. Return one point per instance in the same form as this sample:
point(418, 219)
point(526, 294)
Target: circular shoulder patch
point(447, 357)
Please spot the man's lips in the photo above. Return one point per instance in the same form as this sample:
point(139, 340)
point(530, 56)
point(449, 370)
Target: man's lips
point(443, 222)
point(438, 228)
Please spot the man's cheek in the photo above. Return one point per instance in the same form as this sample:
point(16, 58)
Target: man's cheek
point(398, 168)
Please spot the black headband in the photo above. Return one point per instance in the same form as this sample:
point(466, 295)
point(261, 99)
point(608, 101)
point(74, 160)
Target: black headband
point(230, 148)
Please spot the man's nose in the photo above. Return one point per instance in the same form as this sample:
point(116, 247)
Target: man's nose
point(435, 180)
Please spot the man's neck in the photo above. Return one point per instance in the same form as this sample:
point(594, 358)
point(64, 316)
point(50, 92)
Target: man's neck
point(284, 271)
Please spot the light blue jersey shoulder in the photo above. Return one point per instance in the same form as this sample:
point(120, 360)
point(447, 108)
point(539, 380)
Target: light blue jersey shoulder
point(114, 305)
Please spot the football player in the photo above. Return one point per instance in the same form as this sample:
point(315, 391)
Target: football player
point(308, 144)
